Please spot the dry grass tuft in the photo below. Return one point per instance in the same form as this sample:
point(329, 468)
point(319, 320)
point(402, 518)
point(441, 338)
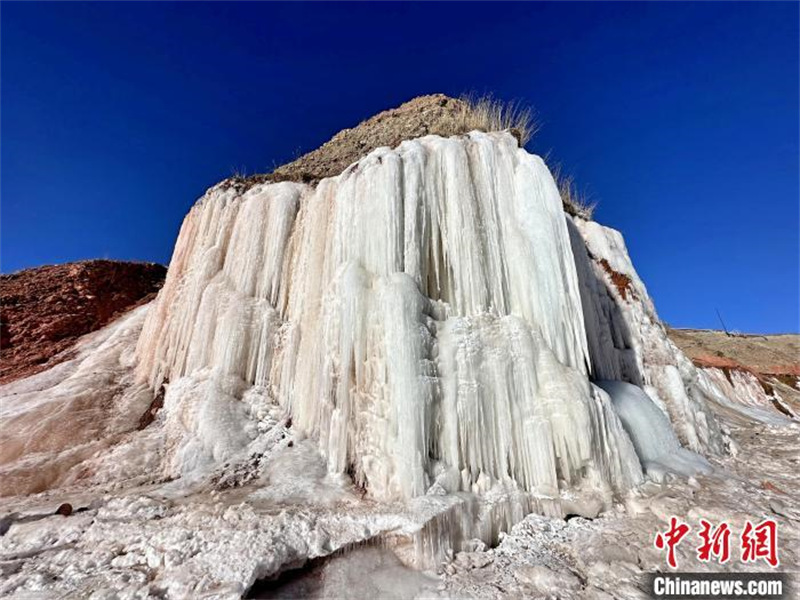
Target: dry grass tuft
point(434, 114)
point(487, 113)
point(575, 202)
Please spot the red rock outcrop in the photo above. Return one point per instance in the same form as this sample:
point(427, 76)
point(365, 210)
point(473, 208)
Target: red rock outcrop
point(43, 311)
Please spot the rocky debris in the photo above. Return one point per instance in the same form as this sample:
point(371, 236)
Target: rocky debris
point(434, 114)
point(46, 309)
point(64, 509)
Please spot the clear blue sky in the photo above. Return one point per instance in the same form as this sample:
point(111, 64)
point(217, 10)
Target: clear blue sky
point(681, 119)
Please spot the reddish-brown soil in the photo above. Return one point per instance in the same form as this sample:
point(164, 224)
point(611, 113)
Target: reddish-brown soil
point(43, 311)
point(774, 360)
point(621, 281)
point(767, 355)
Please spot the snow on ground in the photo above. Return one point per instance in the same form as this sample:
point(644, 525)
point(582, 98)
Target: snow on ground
point(175, 541)
point(605, 557)
point(159, 540)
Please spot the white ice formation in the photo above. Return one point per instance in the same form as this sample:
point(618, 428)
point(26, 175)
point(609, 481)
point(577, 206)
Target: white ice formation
point(428, 325)
point(651, 433)
point(431, 317)
point(752, 397)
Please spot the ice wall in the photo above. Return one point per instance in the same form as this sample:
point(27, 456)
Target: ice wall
point(419, 315)
point(627, 341)
point(651, 433)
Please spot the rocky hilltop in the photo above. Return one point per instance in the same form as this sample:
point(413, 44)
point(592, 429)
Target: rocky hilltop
point(433, 114)
point(45, 310)
point(769, 356)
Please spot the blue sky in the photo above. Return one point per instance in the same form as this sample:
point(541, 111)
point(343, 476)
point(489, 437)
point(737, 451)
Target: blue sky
point(680, 119)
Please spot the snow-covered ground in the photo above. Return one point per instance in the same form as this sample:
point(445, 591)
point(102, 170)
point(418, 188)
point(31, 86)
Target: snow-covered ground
point(606, 557)
point(162, 539)
point(421, 366)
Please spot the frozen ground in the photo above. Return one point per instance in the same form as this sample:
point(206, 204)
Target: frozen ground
point(605, 557)
point(160, 540)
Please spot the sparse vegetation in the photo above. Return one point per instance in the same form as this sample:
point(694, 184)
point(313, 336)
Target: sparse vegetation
point(435, 114)
point(487, 113)
point(575, 202)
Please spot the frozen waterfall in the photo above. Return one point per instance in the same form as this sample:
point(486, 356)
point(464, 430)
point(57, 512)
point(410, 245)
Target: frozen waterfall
point(651, 432)
point(420, 316)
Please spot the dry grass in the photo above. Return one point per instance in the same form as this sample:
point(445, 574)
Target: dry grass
point(487, 113)
point(575, 202)
point(435, 114)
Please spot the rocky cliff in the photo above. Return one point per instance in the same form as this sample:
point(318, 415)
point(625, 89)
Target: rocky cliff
point(45, 310)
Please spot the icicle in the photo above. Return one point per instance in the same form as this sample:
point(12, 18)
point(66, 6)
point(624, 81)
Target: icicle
point(651, 433)
point(422, 316)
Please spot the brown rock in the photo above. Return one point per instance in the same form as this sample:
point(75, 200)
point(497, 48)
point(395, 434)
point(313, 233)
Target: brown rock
point(434, 114)
point(45, 310)
point(775, 355)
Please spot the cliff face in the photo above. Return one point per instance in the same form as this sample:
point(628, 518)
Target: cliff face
point(45, 310)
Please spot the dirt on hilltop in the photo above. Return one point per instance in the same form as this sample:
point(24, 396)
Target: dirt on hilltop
point(434, 114)
point(43, 311)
